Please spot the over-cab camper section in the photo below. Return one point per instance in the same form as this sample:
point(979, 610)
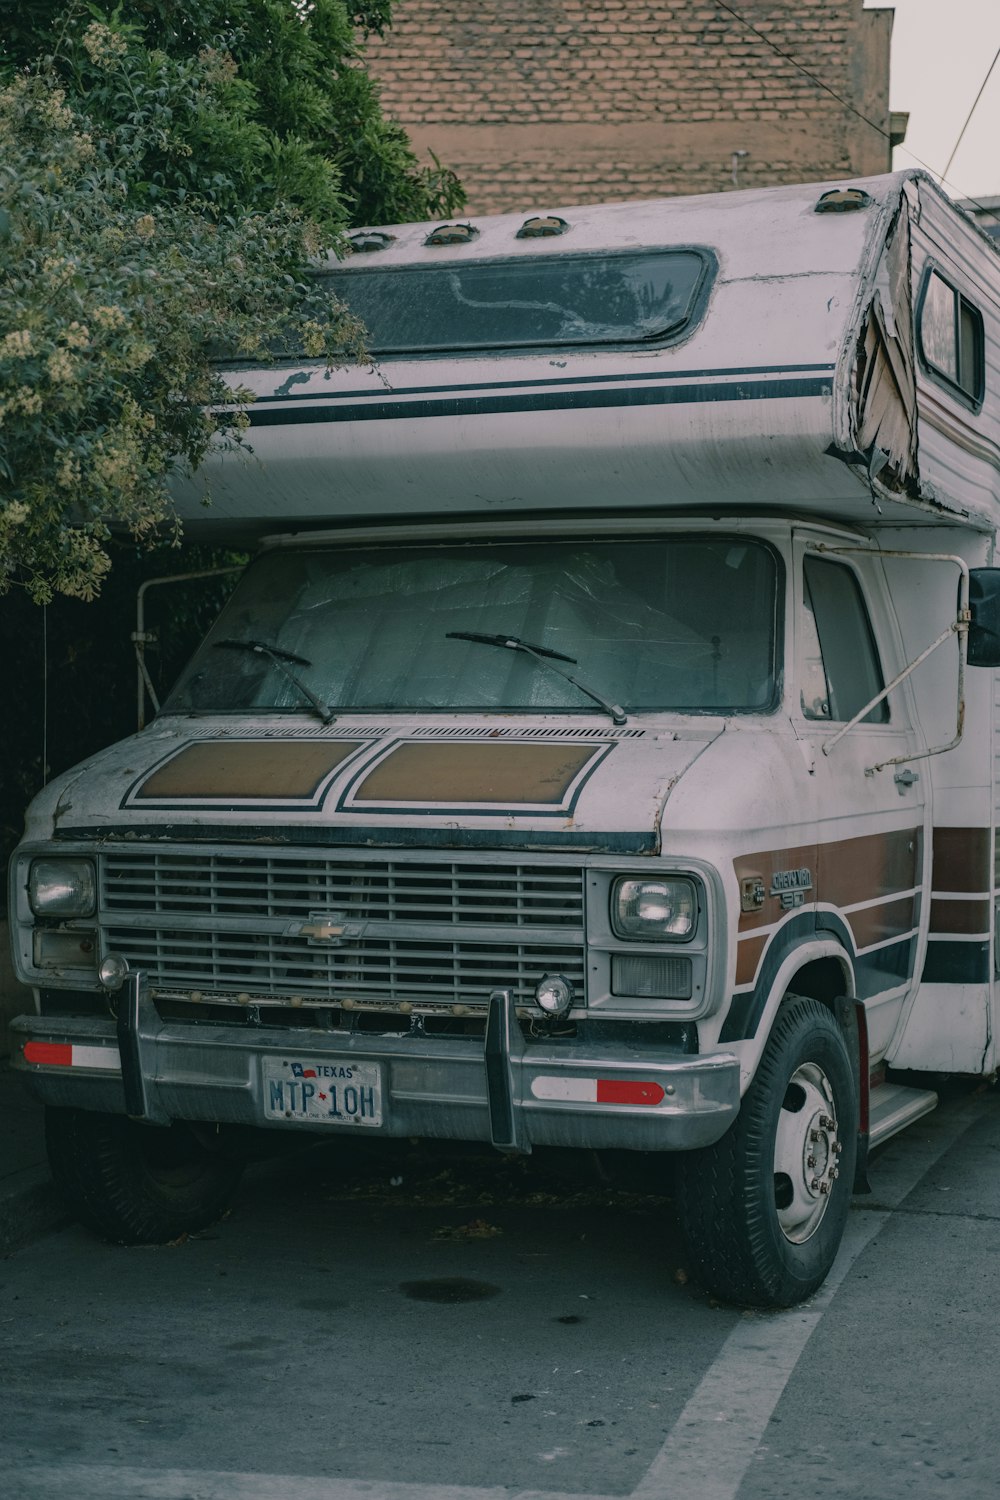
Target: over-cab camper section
point(688, 352)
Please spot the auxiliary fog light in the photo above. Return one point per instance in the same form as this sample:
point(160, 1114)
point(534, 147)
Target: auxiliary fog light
point(554, 995)
point(113, 971)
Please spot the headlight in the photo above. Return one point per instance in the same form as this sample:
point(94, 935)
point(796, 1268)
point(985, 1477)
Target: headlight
point(62, 888)
point(654, 911)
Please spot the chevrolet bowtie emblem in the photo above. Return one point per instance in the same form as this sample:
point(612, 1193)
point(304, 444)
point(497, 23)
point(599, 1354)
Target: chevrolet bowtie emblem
point(328, 928)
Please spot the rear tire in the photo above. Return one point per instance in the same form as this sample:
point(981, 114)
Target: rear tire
point(137, 1184)
point(764, 1209)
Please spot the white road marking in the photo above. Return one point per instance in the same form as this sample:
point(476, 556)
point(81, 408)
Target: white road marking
point(715, 1437)
point(706, 1454)
point(109, 1482)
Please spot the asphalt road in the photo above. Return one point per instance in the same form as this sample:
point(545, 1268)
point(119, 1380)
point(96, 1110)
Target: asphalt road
point(401, 1324)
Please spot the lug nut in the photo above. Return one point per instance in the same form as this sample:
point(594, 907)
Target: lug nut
point(826, 1123)
point(814, 1185)
point(814, 1135)
point(835, 1173)
point(837, 1148)
point(810, 1161)
point(824, 1187)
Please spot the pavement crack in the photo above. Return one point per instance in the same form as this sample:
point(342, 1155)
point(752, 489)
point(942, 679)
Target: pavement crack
point(942, 1213)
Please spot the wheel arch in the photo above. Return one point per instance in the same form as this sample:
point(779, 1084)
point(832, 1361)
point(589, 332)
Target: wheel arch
point(820, 969)
point(824, 971)
point(826, 979)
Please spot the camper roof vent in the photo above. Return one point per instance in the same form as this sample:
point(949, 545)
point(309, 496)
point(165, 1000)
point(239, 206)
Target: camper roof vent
point(452, 234)
point(367, 240)
point(843, 201)
point(541, 227)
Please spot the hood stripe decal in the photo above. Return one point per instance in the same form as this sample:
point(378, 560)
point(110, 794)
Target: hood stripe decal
point(507, 778)
point(232, 771)
point(484, 777)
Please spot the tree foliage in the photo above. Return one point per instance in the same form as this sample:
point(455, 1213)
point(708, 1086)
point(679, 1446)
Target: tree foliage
point(165, 178)
point(287, 114)
point(106, 377)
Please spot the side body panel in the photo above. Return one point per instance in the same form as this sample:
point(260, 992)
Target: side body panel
point(827, 860)
point(949, 1024)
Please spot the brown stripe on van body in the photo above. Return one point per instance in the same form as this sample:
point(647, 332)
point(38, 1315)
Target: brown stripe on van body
point(965, 918)
point(239, 769)
point(961, 859)
point(748, 956)
point(865, 868)
point(505, 772)
point(877, 924)
point(844, 871)
point(874, 924)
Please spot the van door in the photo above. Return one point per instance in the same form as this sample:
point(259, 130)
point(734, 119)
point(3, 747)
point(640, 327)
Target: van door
point(870, 825)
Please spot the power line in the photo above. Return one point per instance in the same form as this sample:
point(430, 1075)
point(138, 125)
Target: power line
point(971, 112)
point(787, 57)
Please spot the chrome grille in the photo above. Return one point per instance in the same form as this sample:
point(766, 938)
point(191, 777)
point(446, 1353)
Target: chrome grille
point(437, 932)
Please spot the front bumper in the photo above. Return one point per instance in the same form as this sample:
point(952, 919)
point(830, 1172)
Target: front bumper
point(514, 1094)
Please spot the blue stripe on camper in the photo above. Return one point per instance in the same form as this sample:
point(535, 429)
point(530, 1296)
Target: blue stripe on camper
point(953, 962)
point(466, 387)
point(473, 403)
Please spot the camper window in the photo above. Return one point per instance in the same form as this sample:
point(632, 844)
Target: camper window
point(840, 669)
point(951, 338)
point(550, 301)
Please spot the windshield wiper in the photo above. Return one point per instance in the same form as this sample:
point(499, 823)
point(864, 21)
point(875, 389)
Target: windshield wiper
point(280, 659)
point(548, 658)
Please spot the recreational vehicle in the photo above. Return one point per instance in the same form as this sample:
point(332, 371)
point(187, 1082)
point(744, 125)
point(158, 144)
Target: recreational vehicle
point(600, 751)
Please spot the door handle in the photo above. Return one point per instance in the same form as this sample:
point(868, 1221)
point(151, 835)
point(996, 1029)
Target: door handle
point(903, 779)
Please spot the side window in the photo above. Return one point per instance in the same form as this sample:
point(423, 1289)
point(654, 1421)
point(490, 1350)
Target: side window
point(841, 670)
point(951, 338)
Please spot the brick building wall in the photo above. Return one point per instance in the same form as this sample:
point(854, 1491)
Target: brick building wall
point(537, 103)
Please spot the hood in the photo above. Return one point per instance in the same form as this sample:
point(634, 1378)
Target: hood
point(549, 784)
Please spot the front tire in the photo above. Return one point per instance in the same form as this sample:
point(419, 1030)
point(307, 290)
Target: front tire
point(764, 1209)
point(137, 1184)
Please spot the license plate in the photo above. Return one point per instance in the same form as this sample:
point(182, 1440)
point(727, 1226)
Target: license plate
point(322, 1093)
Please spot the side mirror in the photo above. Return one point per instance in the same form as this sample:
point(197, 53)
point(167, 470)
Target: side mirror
point(984, 630)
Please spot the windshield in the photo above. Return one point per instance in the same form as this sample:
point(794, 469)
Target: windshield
point(686, 623)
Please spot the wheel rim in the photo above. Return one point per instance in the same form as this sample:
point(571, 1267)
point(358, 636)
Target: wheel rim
point(806, 1153)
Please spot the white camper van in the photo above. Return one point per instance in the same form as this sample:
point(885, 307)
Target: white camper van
point(603, 751)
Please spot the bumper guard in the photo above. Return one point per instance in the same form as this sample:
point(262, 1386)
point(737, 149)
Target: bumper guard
point(513, 1093)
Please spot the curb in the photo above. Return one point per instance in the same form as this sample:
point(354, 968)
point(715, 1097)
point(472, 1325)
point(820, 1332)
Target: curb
point(30, 1205)
point(30, 1202)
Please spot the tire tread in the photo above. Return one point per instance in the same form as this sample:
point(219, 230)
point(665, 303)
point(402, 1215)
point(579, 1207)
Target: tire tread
point(722, 1190)
point(98, 1162)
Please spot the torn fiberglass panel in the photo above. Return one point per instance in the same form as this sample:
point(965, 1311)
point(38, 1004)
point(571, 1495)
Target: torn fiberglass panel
point(886, 403)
